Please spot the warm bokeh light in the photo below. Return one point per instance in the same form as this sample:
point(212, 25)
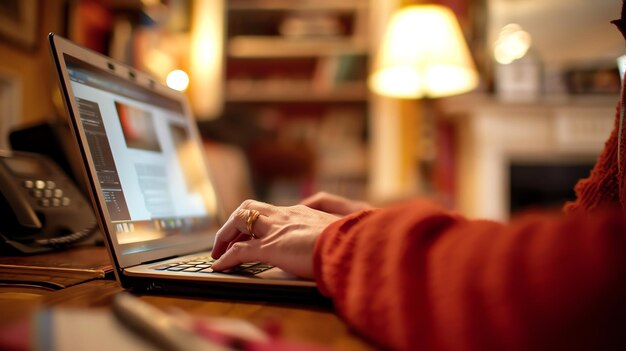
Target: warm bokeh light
point(621, 65)
point(206, 57)
point(512, 44)
point(150, 2)
point(423, 54)
point(159, 62)
point(177, 80)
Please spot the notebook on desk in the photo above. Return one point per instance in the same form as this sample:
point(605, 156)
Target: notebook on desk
point(152, 192)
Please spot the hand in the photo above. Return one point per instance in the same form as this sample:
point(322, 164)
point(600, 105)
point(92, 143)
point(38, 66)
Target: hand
point(334, 204)
point(285, 237)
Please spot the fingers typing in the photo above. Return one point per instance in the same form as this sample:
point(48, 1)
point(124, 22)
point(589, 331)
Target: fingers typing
point(239, 252)
point(237, 225)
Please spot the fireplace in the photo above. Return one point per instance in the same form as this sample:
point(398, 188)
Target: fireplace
point(545, 185)
point(515, 156)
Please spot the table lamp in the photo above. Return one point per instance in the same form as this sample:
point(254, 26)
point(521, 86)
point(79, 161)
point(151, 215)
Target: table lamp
point(422, 55)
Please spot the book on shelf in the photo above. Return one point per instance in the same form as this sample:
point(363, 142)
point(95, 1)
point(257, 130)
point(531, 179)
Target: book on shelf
point(339, 71)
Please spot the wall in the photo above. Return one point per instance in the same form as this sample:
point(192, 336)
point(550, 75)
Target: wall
point(33, 68)
point(563, 31)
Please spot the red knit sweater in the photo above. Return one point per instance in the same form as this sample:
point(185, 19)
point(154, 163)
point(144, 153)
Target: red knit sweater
point(418, 277)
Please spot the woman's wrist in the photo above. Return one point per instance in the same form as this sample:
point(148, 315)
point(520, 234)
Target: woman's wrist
point(326, 243)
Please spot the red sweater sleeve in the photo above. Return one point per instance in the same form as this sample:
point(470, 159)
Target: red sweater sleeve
point(602, 187)
point(416, 277)
point(605, 185)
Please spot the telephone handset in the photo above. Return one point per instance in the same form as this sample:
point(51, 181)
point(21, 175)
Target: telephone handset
point(40, 208)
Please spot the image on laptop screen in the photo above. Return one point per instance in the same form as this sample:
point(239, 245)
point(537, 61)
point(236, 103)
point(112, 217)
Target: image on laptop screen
point(149, 169)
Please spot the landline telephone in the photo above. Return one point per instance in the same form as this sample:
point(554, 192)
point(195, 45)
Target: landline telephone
point(40, 207)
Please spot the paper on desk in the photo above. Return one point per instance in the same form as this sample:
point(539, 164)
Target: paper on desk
point(94, 330)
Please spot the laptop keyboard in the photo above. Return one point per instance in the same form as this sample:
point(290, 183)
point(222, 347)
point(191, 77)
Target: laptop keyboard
point(203, 265)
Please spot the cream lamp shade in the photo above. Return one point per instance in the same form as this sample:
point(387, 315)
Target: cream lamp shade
point(423, 54)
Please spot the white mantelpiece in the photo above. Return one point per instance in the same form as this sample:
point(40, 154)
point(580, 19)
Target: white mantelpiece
point(492, 135)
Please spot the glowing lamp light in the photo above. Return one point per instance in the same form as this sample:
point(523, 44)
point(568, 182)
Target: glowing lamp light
point(177, 80)
point(423, 54)
point(512, 44)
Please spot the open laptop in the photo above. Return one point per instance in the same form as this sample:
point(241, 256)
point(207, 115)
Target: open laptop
point(152, 192)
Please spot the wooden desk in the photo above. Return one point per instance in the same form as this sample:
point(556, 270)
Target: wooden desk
point(56, 270)
point(305, 324)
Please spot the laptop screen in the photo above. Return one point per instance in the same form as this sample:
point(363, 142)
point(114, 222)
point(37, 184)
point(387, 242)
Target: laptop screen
point(149, 169)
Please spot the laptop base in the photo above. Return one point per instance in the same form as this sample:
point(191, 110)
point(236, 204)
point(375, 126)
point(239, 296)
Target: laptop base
point(287, 295)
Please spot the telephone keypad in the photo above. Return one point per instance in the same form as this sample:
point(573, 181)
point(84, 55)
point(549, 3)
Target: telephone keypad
point(48, 211)
point(47, 193)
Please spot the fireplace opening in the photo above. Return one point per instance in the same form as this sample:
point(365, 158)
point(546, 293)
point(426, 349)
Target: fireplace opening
point(546, 186)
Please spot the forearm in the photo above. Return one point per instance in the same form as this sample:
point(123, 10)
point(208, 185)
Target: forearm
point(372, 265)
point(418, 276)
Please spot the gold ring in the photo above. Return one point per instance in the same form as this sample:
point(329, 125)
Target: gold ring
point(253, 215)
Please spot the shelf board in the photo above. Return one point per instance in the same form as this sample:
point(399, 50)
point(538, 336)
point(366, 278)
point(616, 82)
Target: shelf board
point(460, 105)
point(291, 5)
point(351, 93)
point(269, 46)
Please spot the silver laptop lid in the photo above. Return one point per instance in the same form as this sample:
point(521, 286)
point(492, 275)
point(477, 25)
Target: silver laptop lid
point(142, 154)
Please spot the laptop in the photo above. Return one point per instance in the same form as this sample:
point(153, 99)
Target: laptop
point(151, 189)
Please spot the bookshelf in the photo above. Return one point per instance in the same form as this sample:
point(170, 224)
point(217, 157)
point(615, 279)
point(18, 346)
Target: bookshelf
point(298, 69)
point(257, 46)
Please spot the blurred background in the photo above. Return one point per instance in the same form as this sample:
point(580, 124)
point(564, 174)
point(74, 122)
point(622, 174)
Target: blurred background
point(285, 92)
